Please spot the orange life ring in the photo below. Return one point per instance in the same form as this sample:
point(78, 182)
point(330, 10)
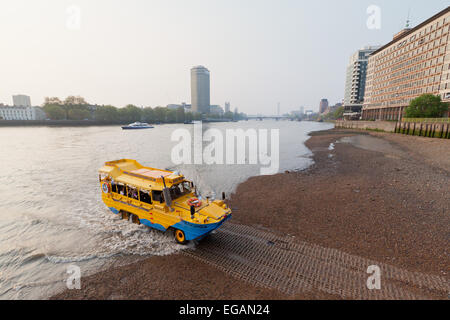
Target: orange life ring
point(194, 202)
point(106, 187)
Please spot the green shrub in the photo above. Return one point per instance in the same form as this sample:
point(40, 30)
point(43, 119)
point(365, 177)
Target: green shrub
point(426, 106)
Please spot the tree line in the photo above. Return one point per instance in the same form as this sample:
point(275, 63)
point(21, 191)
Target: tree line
point(76, 108)
point(335, 115)
point(427, 106)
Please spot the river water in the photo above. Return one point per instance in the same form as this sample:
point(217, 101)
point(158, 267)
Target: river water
point(51, 213)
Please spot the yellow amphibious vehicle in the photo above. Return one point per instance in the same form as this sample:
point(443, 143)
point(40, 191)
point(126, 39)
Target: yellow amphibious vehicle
point(161, 199)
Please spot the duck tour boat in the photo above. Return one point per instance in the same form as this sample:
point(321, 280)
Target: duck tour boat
point(160, 199)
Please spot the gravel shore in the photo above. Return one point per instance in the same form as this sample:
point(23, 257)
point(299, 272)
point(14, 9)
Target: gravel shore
point(380, 196)
point(390, 205)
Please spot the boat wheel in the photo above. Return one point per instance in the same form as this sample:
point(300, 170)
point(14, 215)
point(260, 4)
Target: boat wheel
point(134, 219)
point(180, 237)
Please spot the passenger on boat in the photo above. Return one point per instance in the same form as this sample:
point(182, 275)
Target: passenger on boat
point(157, 196)
point(175, 192)
point(145, 197)
point(132, 193)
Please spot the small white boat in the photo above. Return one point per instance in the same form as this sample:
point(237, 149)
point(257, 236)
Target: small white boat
point(137, 125)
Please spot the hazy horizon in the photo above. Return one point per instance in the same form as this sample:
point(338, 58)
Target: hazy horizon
point(140, 52)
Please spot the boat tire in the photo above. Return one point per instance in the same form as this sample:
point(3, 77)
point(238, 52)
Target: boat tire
point(180, 237)
point(134, 219)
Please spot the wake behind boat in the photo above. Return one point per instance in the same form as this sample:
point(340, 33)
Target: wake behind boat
point(137, 125)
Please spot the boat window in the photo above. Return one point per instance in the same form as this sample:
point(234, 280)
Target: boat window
point(114, 187)
point(132, 193)
point(145, 196)
point(121, 189)
point(185, 187)
point(180, 190)
point(175, 192)
point(157, 196)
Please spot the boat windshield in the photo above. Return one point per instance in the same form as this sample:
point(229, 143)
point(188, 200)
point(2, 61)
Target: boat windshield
point(180, 190)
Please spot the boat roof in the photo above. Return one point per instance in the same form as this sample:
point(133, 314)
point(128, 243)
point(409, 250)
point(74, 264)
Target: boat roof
point(131, 172)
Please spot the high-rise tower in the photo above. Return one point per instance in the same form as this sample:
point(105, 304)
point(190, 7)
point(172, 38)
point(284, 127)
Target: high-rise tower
point(323, 105)
point(356, 76)
point(200, 89)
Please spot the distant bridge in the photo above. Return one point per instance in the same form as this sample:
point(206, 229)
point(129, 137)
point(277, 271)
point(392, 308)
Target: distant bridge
point(261, 117)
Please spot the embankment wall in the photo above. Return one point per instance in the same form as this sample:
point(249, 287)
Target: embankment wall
point(387, 126)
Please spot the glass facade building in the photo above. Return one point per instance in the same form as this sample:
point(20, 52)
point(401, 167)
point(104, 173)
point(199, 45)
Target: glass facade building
point(356, 76)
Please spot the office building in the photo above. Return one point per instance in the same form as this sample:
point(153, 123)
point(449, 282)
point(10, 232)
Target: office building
point(174, 106)
point(216, 109)
point(21, 100)
point(415, 62)
point(21, 113)
point(323, 106)
point(356, 81)
point(356, 76)
point(186, 107)
point(200, 89)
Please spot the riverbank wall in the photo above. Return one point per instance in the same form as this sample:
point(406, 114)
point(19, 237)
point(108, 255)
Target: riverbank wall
point(386, 126)
point(422, 129)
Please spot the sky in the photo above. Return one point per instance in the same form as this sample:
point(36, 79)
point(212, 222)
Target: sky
point(259, 52)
